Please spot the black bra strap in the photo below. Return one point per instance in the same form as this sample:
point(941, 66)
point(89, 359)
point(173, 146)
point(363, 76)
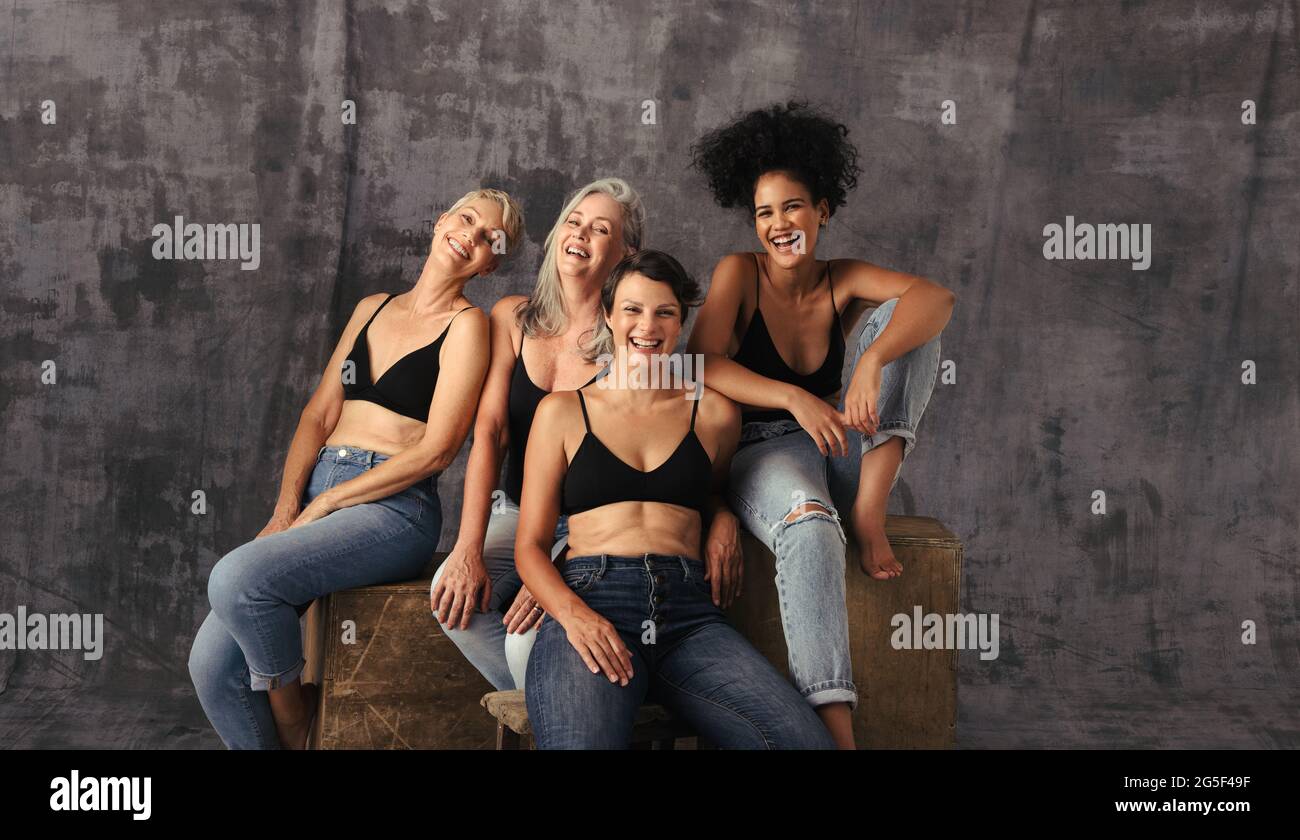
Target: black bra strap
point(829, 279)
point(586, 421)
point(447, 328)
point(376, 312)
point(696, 409)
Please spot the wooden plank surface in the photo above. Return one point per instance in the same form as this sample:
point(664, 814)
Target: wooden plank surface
point(402, 684)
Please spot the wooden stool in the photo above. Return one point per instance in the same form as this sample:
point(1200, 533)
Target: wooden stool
point(655, 727)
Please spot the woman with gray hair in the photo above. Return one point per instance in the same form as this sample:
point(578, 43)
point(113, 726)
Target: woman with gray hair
point(547, 341)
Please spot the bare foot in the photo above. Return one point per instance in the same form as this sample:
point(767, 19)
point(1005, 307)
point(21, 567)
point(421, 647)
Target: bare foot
point(880, 467)
point(294, 734)
point(878, 560)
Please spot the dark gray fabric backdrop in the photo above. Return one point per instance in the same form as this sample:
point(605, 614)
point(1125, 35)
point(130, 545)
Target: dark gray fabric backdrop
point(1117, 629)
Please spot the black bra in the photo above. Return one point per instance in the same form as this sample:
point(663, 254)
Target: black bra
point(523, 400)
point(598, 477)
point(758, 353)
point(407, 386)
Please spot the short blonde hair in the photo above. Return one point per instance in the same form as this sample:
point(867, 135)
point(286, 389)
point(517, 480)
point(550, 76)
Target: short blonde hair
point(512, 218)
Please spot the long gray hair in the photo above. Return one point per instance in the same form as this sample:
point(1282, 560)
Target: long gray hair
point(543, 315)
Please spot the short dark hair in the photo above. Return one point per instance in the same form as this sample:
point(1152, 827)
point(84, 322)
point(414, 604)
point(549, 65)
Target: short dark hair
point(656, 265)
point(795, 138)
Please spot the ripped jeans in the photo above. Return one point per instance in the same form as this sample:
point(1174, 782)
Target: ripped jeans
point(778, 469)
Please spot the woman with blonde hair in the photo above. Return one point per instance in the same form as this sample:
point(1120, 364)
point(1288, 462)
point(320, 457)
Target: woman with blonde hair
point(358, 502)
point(548, 341)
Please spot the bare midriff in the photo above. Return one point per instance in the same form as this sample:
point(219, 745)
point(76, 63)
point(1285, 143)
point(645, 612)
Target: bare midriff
point(367, 425)
point(629, 529)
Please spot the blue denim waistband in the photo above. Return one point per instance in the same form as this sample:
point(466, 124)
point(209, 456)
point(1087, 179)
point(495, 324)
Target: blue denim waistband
point(761, 430)
point(351, 455)
point(639, 561)
point(367, 458)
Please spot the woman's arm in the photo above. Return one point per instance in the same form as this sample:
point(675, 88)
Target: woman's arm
point(724, 560)
point(317, 422)
point(545, 464)
point(464, 583)
point(491, 427)
point(923, 310)
point(451, 412)
point(714, 327)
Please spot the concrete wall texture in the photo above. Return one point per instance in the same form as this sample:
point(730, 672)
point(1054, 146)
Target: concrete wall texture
point(1072, 376)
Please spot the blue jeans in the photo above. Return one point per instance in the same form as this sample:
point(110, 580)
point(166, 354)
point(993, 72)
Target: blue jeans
point(778, 468)
point(251, 641)
point(685, 656)
point(502, 658)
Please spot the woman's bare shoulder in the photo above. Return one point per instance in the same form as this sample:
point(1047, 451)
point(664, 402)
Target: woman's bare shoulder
point(557, 408)
point(507, 307)
point(369, 304)
point(736, 266)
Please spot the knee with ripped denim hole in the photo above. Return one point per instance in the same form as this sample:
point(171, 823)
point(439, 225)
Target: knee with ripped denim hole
point(812, 519)
point(810, 509)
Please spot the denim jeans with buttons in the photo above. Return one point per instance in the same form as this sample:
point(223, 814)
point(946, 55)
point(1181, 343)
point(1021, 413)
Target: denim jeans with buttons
point(778, 469)
point(501, 657)
point(685, 656)
point(251, 641)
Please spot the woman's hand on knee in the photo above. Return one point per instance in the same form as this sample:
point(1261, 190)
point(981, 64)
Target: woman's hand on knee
point(599, 645)
point(862, 395)
point(318, 508)
point(523, 613)
point(279, 521)
point(821, 421)
point(462, 584)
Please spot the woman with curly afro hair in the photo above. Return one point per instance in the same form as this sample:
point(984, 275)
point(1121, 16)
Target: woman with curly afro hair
point(813, 446)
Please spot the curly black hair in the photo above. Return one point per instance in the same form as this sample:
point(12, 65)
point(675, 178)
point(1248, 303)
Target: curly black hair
point(795, 138)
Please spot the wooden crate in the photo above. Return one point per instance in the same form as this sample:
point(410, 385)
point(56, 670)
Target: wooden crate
point(404, 685)
point(907, 698)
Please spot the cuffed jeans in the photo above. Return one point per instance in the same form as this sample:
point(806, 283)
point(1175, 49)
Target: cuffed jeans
point(779, 468)
point(502, 658)
point(685, 656)
point(251, 641)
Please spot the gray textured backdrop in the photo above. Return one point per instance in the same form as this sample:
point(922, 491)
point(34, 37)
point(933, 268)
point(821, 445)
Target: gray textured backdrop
point(1121, 629)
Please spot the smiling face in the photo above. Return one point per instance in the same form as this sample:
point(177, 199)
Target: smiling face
point(646, 318)
point(784, 209)
point(591, 239)
point(463, 238)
